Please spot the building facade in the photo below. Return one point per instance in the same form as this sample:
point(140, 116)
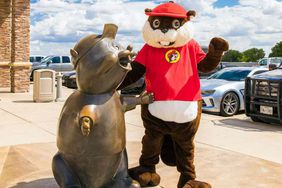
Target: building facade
point(15, 45)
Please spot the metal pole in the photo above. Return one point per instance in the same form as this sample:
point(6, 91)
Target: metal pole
point(59, 88)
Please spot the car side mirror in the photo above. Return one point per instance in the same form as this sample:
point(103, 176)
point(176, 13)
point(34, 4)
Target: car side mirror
point(49, 62)
point(272, 66)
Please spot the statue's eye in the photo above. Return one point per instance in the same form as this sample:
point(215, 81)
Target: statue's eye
point(176, 24)
point(156, 23)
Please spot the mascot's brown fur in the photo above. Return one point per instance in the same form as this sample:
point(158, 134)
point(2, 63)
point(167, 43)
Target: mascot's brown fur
point(170, 60)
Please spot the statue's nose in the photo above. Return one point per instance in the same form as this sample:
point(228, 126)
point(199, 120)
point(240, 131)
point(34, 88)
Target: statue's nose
point(124, 54)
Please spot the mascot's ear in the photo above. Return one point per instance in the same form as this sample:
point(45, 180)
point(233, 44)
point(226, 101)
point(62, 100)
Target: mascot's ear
point(148, 10)
point(190, 13)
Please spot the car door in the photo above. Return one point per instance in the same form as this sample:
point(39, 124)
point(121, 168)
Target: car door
point(66, 64)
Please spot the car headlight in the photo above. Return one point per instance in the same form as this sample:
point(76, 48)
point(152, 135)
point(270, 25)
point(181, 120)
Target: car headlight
point(73, 77)
point(207, 92)
point(242, 91)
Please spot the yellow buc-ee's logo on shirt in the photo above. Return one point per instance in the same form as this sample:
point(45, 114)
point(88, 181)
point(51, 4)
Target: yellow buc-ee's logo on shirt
point(172, 56)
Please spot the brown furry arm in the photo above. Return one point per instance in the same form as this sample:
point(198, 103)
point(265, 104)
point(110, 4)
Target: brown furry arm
point(138, 70)
point(216, 48)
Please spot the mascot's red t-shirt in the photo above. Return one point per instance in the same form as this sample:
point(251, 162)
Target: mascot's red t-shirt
point(171, 73)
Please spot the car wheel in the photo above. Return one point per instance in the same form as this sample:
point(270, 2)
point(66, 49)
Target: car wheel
point(230, 104)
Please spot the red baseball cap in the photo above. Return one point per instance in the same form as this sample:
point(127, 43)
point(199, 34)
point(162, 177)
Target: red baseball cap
point(169, 9)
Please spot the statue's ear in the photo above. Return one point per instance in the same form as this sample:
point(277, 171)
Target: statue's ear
point(190, 13)
point(73, 53)
point(110, 31)
point(74, 56)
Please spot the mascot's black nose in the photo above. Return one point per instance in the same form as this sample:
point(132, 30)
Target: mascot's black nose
point(164, 30)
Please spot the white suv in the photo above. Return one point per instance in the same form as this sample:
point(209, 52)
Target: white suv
point(53, 62)
point(270, 60)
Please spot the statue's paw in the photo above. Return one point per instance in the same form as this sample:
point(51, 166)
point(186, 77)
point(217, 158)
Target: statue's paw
point(147, 98)
point(196, 184)
point(219, 44)
point(149, 179)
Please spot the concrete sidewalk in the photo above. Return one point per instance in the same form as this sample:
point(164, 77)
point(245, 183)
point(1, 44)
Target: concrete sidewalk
point(225, 154)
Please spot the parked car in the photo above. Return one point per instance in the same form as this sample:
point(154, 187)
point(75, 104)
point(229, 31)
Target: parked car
point(35, 58)
point(223, 65)
point(223, 92)
point(56, 63)
point(263, 95)
point(69, 80)
point(270, 60)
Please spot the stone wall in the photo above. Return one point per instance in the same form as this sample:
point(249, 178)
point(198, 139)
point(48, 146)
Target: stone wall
point(5, 42)
point(20, 65)
point(15, 44)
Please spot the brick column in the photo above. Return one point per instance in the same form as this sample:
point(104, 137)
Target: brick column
point(5, 42)
point(20, 41)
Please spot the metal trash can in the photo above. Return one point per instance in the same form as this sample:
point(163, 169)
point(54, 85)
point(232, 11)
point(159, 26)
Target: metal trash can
point(44, 85)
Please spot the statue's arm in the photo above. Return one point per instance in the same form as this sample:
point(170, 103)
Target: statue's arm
point(129, 102)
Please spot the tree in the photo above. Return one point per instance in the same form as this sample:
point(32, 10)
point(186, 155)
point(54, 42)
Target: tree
point(232, 56)
point(276, 51)
point(252, 55)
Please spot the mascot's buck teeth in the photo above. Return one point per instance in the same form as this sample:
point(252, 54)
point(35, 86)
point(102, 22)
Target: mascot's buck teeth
point(164, 43)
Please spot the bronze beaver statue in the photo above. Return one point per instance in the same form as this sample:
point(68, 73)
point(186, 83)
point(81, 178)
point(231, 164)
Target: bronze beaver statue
point(91, 132)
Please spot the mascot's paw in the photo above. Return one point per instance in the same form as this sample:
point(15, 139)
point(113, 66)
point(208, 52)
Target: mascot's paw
point(145, 176)
point(196, 184)
point(218, 44)
point(149, 179)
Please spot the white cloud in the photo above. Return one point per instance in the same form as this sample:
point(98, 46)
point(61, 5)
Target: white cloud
point(198, 6)
point(252, 23)
point(68, 22)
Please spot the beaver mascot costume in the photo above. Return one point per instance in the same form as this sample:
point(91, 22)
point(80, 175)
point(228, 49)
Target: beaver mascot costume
point(170, 60)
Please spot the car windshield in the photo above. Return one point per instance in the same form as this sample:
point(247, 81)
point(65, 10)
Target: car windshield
point(230, 75)
point(45, 59)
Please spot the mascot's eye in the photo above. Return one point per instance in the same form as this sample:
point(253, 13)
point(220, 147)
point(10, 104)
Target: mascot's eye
point(156, 23)
point(175, 24)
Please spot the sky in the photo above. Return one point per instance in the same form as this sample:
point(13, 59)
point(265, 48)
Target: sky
point(56, 25)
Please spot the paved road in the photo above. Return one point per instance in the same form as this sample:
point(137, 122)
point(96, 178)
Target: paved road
point(229, 150)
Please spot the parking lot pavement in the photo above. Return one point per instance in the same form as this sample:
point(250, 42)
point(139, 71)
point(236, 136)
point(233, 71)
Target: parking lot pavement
point(230, 152)
point(240, 134)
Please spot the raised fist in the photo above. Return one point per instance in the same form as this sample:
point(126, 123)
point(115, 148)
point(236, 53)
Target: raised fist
point(218, 45)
